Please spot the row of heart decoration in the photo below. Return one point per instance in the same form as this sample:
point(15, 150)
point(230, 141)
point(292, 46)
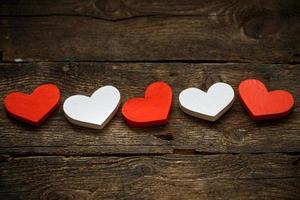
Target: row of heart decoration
point(152, 109)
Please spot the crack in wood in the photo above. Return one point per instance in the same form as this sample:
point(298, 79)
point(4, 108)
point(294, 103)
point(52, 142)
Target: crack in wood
point(165, 136)
point(7, 157)
point(94, 17)
point(149, 61)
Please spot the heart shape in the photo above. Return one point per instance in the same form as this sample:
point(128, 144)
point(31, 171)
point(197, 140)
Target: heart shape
point(262, 104)
point(210, 105)
point(151, 110)
point(95, 111)
point(33, 108)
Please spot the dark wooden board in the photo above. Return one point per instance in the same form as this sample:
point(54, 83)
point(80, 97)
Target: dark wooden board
point(233, 133)
point(123, 9)
point(263, 176)
point(218, 30)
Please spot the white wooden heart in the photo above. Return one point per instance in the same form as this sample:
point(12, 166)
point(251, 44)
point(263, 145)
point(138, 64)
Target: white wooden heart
point(210, 105)
point(95, 111)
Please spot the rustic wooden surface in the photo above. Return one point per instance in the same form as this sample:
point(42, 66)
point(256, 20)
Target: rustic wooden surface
point(82, 45)
point(272, 176)
point(219, 30)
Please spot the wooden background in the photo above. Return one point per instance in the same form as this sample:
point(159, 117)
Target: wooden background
point(83, 45)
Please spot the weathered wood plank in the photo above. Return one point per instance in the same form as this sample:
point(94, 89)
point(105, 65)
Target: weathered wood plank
point(235, 132)
point(266, 176)
point(154, 30)
point(123, 9)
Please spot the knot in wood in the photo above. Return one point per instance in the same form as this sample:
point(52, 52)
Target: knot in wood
point(65, 68)
point(143, 170)
point(53, 193)
point(263, 26)
point(108, 5)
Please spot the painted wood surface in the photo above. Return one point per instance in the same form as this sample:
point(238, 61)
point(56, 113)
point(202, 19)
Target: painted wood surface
point(262, 104)
point(95, 111)
point(153, 109)
point(209, 105)
point(33, 108)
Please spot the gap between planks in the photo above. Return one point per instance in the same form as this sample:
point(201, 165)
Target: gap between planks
point(145, 61)
point(187, 152)
point(113, 20)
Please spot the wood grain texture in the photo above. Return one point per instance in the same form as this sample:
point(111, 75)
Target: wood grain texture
point(219, 30)
point(233, 158)
point(265, 176)
point(235, 132)
point(123, 9)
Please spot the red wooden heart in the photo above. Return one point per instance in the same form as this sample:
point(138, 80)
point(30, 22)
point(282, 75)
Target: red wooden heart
point(33, 108)
point(262, 104)
point(151, 110)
